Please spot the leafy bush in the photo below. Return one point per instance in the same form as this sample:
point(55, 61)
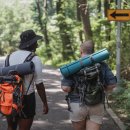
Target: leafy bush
point(120, 101)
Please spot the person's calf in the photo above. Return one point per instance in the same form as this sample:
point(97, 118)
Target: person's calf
point(10, 128)
point(81, 125)
point(25, 124)
point(90, 125)
point(12, 125)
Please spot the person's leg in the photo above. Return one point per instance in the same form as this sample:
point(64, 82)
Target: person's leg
point(25, 124)
point(12, 125)
point(95, 117)
point(90, 125)
point(78, 115)
point(80, 125)
point(28, 112)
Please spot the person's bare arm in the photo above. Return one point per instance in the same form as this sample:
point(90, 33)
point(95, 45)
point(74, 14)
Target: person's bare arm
point(41, 91)
point(110, 88)
point(66, 89)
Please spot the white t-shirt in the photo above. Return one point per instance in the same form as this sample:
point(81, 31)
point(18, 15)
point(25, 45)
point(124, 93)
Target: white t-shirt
point(18, 57)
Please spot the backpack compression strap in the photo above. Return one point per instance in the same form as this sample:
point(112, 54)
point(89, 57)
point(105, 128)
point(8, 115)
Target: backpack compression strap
point(29, 57)
point(7, 61)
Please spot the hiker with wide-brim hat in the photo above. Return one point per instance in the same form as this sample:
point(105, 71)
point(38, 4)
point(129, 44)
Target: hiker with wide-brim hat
point(28, 39)
point(28, 44)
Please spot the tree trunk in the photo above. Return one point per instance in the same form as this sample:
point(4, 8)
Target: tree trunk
point(79, 20)
point(108, 25)
point(43, 26)
point(84, 10)
point(67, 50)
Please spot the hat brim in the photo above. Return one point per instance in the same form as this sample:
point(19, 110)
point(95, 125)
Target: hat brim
point(29, 43)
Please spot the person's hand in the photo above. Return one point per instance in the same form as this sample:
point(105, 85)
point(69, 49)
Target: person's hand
point(66, 89)
point(45, 109)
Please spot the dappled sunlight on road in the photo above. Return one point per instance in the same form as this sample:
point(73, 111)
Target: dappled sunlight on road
point(2, 119)
point(49, 82)
point(51, 72)
point(64, 105)
point(38, 122)
point(104, 118)
point(53, 90)
point(65, 122)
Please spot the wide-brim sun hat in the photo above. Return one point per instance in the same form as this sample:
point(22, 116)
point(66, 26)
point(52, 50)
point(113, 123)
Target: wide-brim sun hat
point(28, 38)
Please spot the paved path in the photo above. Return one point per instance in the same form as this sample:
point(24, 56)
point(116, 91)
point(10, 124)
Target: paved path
point(58, 118)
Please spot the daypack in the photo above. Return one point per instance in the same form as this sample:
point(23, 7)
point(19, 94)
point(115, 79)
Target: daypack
point(88, 85)
point(12, 90)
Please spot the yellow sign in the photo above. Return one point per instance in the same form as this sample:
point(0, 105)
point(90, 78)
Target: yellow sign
point(118, 14)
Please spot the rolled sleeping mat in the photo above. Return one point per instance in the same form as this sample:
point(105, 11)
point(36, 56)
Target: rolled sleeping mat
point(77, 65)
point(22, 69)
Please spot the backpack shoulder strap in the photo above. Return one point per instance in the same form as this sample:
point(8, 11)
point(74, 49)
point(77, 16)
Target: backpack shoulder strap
point(7, 60)
point(29, 57)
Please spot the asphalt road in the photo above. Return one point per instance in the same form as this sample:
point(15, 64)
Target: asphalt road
point(57, 118)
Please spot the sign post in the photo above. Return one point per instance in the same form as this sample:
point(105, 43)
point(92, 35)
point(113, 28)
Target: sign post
point(119, 15)
point(118, 55)
point(118, 45)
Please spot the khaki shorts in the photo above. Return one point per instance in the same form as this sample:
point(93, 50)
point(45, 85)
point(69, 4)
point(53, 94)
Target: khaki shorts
point(93, 113)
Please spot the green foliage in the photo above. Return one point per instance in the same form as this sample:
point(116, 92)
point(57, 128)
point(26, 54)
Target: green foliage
point(12, 22)
point(120, 100)
point(125, 58)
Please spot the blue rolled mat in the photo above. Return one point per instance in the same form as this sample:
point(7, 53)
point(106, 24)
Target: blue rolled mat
point(22, 69)
point(77, 65)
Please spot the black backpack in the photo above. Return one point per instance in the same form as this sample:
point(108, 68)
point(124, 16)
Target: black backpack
point(88, 85)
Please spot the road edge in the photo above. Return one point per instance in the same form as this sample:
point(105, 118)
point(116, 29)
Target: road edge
point(116, 119)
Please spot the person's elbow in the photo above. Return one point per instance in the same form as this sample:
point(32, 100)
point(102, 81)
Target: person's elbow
point(110, 88)
point(66, 89)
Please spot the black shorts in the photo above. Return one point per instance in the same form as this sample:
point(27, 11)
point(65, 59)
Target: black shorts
point(29, 106)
